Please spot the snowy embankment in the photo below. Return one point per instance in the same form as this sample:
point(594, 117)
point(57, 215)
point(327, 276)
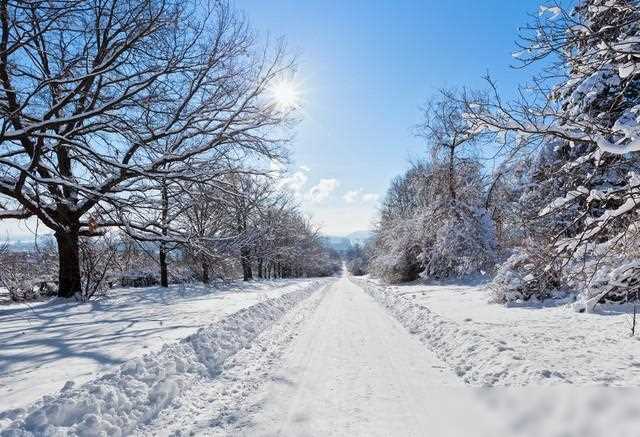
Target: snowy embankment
point(492, 345)
point(48, 343)
point(135, 392)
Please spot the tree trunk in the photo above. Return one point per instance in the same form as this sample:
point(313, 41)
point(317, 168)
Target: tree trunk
point(452, 177)
point(205, 272)
point(69, 279)
point(245, 259)
point(260, 271)
point(164, 275)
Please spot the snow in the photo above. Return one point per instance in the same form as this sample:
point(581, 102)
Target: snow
point(554, 11)
point(134, 393)
point(328, 369)
point(331, 361)
point(46, 344)
point(494, 345)
point(349, 369)
point(560, 202)
point(301, 358)
point(338, 364)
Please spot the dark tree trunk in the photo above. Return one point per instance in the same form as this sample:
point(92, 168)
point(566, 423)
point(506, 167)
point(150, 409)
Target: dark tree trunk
point(164, 275)
point(260, 271)
point(245, 259)
point(205, 272)
point(69, 279)
point(452, 176)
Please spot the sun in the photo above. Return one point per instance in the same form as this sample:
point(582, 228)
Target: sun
point(285, 94)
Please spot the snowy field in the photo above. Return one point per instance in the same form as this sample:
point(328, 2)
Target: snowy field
point(46, 344)
point(318, 358)
point(492, 345)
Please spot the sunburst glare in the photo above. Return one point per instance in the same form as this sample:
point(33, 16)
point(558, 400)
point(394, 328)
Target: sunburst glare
point(285, 93)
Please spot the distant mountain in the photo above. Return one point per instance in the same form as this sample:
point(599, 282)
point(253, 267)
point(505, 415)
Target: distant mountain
point(343, 244)
point(339, 244)
point(360, 237)
point(25, 244)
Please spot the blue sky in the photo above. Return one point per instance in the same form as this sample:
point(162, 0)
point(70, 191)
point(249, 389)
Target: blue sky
point(365, 67)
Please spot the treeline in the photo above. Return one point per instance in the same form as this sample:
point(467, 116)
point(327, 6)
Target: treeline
point(154, 121)
point(212, 235)
point(559, 212)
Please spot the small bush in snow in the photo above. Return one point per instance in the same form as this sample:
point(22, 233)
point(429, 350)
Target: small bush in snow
point(28, 276)
point(138, 279)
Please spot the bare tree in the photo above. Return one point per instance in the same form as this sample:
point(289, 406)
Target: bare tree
point(206, 222)
point(98, 97)
point(448, 133)
point(255, 194)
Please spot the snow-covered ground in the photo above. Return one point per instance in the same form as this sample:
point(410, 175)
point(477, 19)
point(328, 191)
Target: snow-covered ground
point(322, 360)
point(354, 371)
point(46, 344)
point(489, 344)
point(339, 365)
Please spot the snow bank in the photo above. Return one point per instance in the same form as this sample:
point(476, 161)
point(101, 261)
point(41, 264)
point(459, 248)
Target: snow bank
point(492, 345)
point(138, 390)
point(476, 358)
point(45, 344)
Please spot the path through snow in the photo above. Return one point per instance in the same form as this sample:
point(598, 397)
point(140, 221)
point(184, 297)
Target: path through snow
point(355, 371)
point(327, 363)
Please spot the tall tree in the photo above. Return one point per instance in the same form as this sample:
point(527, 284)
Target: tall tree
point(581, 115)
point(99, 96)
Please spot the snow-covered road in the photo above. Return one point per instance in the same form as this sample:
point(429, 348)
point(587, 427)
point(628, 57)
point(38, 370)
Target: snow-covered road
point(355, 371)
point(323, 360)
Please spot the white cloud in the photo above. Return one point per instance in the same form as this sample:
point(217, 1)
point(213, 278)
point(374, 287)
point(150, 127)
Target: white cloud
point(305, 168)
point(358, 196)
point(370, 197)
point(352, 196)
point(342, 219)
point(277, 166)
point(321, 192)
point(294, 183)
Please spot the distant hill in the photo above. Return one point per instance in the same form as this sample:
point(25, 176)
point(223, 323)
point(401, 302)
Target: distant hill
point(339, 244)
point(343, 244)
point(359, 237)
point(25, 244)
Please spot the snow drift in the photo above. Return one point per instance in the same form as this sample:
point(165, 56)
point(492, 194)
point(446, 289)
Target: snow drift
point(478, 359)
point(116, 403)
